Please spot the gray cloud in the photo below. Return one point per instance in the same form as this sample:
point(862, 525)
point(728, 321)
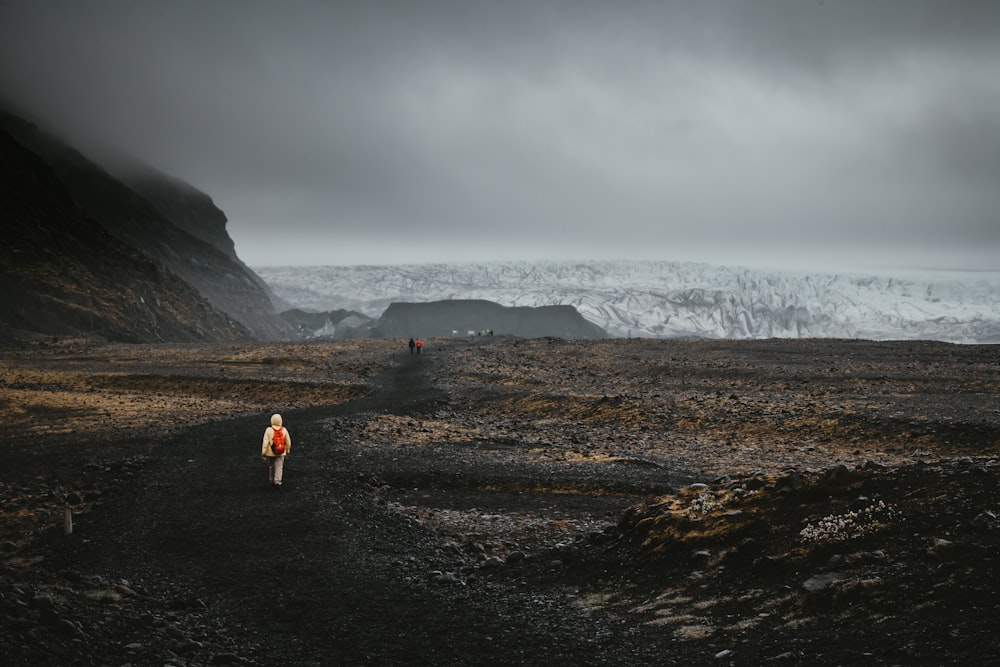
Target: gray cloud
point(356, 132)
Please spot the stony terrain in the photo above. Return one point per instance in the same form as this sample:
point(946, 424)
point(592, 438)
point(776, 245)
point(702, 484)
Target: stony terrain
point(502, 501)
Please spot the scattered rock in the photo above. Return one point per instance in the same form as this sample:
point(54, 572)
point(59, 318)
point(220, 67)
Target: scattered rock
point(836, 474)
point(446, 578)
point(515, 557)
point(492, 563)
point(821, 582)
point(67, 627)
point(985, 521)
point(792, 481)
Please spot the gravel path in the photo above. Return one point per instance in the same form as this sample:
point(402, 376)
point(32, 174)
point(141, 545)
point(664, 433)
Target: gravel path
point(326, 571)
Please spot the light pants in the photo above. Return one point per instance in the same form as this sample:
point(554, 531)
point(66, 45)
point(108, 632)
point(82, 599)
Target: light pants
point(275, 464)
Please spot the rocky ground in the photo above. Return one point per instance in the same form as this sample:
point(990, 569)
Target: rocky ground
point(502, 501)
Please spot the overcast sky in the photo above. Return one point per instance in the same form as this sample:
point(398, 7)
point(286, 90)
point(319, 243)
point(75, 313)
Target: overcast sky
point(824, 133)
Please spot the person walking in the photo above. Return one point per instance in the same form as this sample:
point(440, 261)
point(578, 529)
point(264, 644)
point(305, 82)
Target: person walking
point(412, 345)
point(420, 344)
point(277, 444)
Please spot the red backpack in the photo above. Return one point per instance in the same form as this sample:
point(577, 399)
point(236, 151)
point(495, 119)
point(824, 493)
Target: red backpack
point(278, 441)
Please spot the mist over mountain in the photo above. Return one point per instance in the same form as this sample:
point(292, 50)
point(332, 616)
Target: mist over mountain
point(69, 212)
point(63, 274)
point(111, 247)
point(676, 299)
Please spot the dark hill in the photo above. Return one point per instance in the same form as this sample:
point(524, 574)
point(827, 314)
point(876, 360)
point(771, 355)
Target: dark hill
point(444, 318)
point(61, 273)
point(327, 324)
point(174, 224)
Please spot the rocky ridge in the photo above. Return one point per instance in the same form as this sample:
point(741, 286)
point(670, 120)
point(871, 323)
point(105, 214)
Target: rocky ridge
point(63, 274)
point(163, 227)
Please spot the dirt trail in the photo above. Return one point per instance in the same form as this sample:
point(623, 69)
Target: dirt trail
point(321, 572)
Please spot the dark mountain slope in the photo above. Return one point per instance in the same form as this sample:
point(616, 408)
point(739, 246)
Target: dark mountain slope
point(194, 212)
point(155, 216)
point(61, 273)
point(328, 324)
point(188, 208)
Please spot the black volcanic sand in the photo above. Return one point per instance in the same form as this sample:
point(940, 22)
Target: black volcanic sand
point(503, 501)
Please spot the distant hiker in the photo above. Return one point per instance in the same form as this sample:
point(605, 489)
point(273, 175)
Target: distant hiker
point(412, 345)
point(277, 444)
point(420, 344)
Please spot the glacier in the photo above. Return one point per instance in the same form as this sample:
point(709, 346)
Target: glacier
point(664, 299)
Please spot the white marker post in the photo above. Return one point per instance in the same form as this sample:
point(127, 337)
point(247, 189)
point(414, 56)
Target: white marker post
point(69, 519)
